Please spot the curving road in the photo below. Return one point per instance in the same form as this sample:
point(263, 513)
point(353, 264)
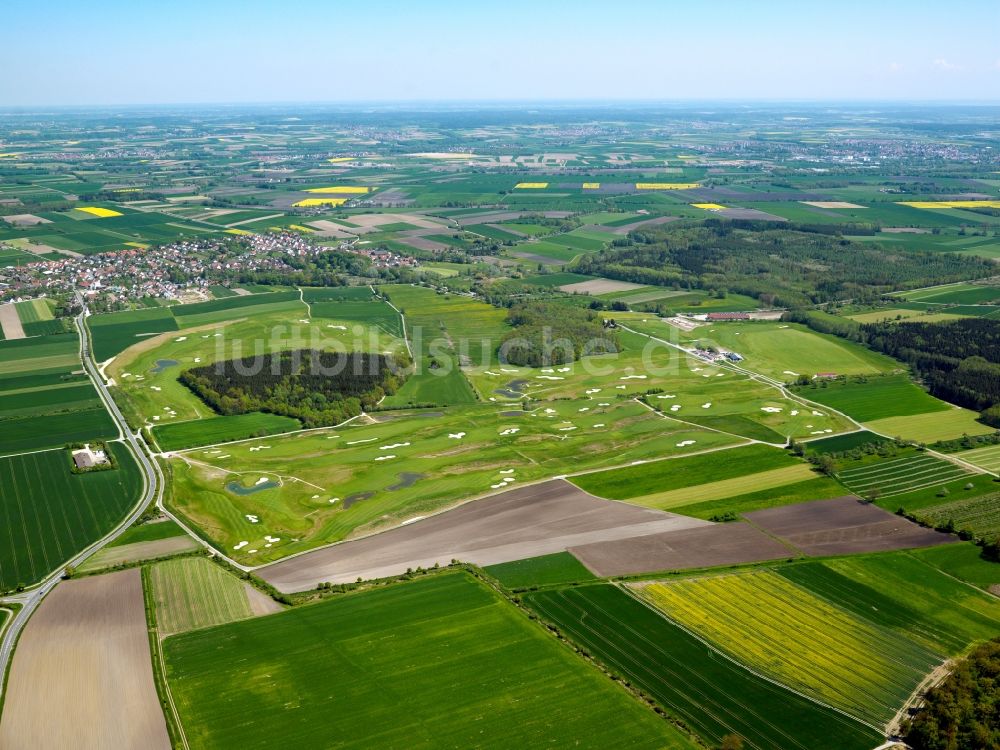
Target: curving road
point(30, 599)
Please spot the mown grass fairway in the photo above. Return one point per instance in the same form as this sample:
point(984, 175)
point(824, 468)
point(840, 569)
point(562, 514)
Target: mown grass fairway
point(48, 514)
point(222, 429)
point(793, 636)
point(324, 485)
point(194, 592)
point(876, 398)
point(779, 349)
point(470, 670)
point(710, 694)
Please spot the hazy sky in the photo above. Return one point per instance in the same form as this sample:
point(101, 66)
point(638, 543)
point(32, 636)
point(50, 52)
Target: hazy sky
point(186, 51)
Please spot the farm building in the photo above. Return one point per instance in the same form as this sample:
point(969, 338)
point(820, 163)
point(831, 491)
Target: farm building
point(86, 458)
point(719, 317)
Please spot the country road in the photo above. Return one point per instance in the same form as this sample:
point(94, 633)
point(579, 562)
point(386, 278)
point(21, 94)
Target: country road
point(30, 599)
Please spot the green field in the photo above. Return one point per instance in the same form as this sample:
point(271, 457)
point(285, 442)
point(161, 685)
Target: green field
point(787, 632)
point(818, 488)
point(780, 349)
point(964, 562)
point(847, 442)
point(560, 567)
point(898, 476)
point(49, 514)
point(470, 669)
point(712, 695)
point(448, 330)
point(193, 592)
point(902, 591)
point(148, 532)
point(874, 398)
point(27, 433)
point(928, 428)
point(661, 476)
point(980, 515)
point(987, 458)
point(222, 429)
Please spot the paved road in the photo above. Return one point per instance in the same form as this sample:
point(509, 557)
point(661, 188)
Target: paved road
point(29, 600)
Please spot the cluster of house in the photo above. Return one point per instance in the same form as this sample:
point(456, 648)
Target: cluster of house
point(167, 271)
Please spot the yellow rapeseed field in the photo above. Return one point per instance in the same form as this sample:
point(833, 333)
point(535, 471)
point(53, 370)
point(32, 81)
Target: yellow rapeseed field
point(312, 202)
point(241, 232)
point(339, 159)
point(591, 185)
point(952, 204)
point(300, 228)
point(666, 185)
point(709, 206)
point(531, 186)
point(346, 189)
point(97, 211)
point(797, 638)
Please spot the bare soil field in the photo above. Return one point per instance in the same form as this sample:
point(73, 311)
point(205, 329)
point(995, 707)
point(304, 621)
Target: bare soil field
point(422, 243)
point(10, 323)
point(82, 674)
point(371, 222)
point(703, 547)
point(843, 525)
point(535, 520)
point(599, 286)
point(330, 229)
point(25, 220)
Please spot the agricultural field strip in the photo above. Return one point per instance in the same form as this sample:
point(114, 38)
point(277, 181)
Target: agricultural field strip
point(689, 693)
point(987, 458)
point(709, 702)
point(905, 475)
point(804, 642)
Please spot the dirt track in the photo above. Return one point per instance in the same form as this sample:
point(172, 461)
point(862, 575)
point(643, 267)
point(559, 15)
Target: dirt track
point(535, 520)
point(82, 675)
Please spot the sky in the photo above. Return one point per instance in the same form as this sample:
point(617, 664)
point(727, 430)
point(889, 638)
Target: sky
point(121, 52)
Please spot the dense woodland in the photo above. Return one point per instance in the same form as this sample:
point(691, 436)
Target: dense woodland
point(779, 267)
point(318, 388)
point(963, 712)
point(959, 359)
point(553, 334)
